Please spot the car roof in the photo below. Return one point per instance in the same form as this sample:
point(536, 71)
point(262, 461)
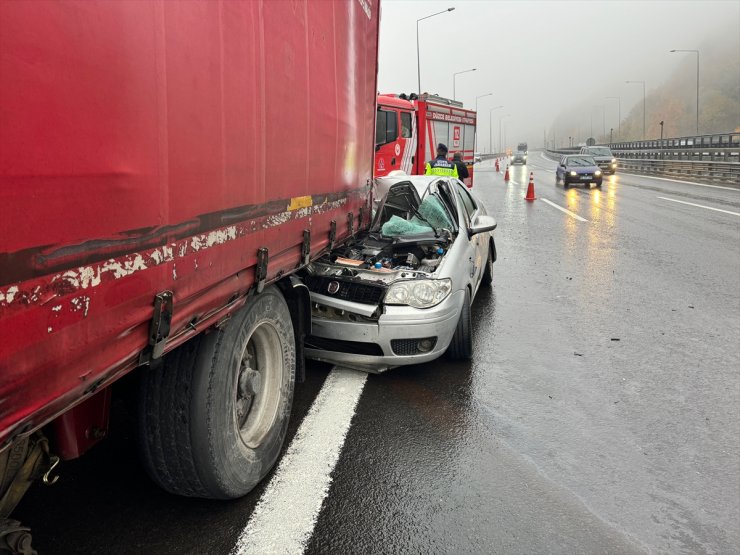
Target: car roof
point(420, 182)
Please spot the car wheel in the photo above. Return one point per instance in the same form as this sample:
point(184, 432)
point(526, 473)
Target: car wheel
point(487, 278)
point(461, 346)
point(565, 183)
point(598, 185)
point(213, 416)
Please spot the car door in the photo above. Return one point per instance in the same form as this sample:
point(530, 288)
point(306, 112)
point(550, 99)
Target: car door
point(476, 246)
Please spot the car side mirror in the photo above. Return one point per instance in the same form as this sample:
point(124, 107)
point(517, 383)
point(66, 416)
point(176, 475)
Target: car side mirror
point(482, 224)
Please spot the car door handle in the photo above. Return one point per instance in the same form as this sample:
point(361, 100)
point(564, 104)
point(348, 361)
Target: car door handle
point(393, 161)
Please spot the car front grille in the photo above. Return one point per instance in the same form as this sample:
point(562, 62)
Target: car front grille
point(349, 291)
point(340, 346)
point(408, 347)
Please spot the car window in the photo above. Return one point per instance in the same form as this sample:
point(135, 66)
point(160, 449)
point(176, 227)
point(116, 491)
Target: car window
point(467, 201)
point(406, 125)
point(386, 128)
point(581, 161)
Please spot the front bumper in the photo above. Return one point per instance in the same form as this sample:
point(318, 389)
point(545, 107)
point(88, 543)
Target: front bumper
point(396, 323)
point(583, 178)
point(607, 166)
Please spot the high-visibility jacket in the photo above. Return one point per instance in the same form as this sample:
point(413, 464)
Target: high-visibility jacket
point(441, 166)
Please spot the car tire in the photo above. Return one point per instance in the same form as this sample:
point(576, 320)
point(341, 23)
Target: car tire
point(565, 183)
point(487, 278)
point(461, 346)
point(214, 415)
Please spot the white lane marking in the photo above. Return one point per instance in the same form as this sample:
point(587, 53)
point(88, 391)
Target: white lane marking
point(686, 182)
point(284, 518)
point(573, 214)
point(700, 206)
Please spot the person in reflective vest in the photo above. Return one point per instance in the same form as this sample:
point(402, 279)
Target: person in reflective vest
point(441, 165)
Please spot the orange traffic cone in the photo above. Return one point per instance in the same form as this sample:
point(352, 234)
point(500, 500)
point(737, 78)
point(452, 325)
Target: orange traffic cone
point(530, 188)
point(506, 175)
point(497, 166)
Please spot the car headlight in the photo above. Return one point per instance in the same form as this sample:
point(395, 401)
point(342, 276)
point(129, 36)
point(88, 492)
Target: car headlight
point(597, 172)
point(614, 160)
point(419, 293)
point(573, 174)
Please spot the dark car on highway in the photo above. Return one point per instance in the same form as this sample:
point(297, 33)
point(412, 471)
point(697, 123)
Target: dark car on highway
point(578, 168)
point(519, 157)
point(603, 156)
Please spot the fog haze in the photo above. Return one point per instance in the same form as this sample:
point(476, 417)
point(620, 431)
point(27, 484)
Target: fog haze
point(542, 59)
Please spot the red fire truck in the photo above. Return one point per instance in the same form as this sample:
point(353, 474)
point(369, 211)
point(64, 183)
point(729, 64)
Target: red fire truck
point(408, 129)
point(164, 168)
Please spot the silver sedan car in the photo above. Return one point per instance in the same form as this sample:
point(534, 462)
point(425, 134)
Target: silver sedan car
point(400, 293)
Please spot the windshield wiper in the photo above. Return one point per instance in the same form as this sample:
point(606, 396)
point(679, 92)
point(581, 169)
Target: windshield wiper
point(423, 219)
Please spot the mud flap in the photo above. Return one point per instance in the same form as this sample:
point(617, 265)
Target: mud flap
point(22, 463)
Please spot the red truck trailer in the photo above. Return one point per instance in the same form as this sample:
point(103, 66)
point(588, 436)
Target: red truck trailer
point(408, 129)
point(164, 168)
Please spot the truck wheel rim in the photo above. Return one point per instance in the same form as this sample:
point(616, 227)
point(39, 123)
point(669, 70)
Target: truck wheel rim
point(258, 385)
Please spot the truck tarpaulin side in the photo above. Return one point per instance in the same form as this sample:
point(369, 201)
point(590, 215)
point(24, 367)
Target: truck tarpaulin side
point(150, 147)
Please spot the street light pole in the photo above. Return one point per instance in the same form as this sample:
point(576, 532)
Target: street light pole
point(697, 84)
point(418, 64)
point(490, 127)
point(603, 120)
point(619, 113)
point(643, 105)
point(476, 101)
point(454, 77)
point(475, 140)
point(500, 136)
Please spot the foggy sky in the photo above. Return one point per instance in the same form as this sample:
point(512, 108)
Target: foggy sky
point(542, 57)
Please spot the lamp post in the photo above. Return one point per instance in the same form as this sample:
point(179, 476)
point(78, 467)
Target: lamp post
point(454, 78)
point(611, 135)
point(476, 101)
point(619, 113)
point(418, 64)
point(475, 140)
point(643, 104)
point(490, 127)
point(500, 136)
point(697, 84)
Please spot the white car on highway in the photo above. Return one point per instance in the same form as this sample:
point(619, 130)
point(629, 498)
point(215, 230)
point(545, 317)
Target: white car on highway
point(400, 293)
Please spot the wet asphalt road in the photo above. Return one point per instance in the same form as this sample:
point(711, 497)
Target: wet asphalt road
point(600, 414)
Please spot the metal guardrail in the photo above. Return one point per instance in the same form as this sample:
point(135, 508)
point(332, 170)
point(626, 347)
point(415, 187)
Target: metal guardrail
point(717, 141)
point(711, 157)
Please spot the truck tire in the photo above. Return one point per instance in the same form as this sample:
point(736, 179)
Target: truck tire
point(213, 416)
point(461, 346)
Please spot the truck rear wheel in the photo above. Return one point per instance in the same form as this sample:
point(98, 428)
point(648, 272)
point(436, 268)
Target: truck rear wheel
point(213, 416)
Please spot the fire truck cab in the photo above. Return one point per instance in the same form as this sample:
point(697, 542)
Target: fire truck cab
point(408, 129)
